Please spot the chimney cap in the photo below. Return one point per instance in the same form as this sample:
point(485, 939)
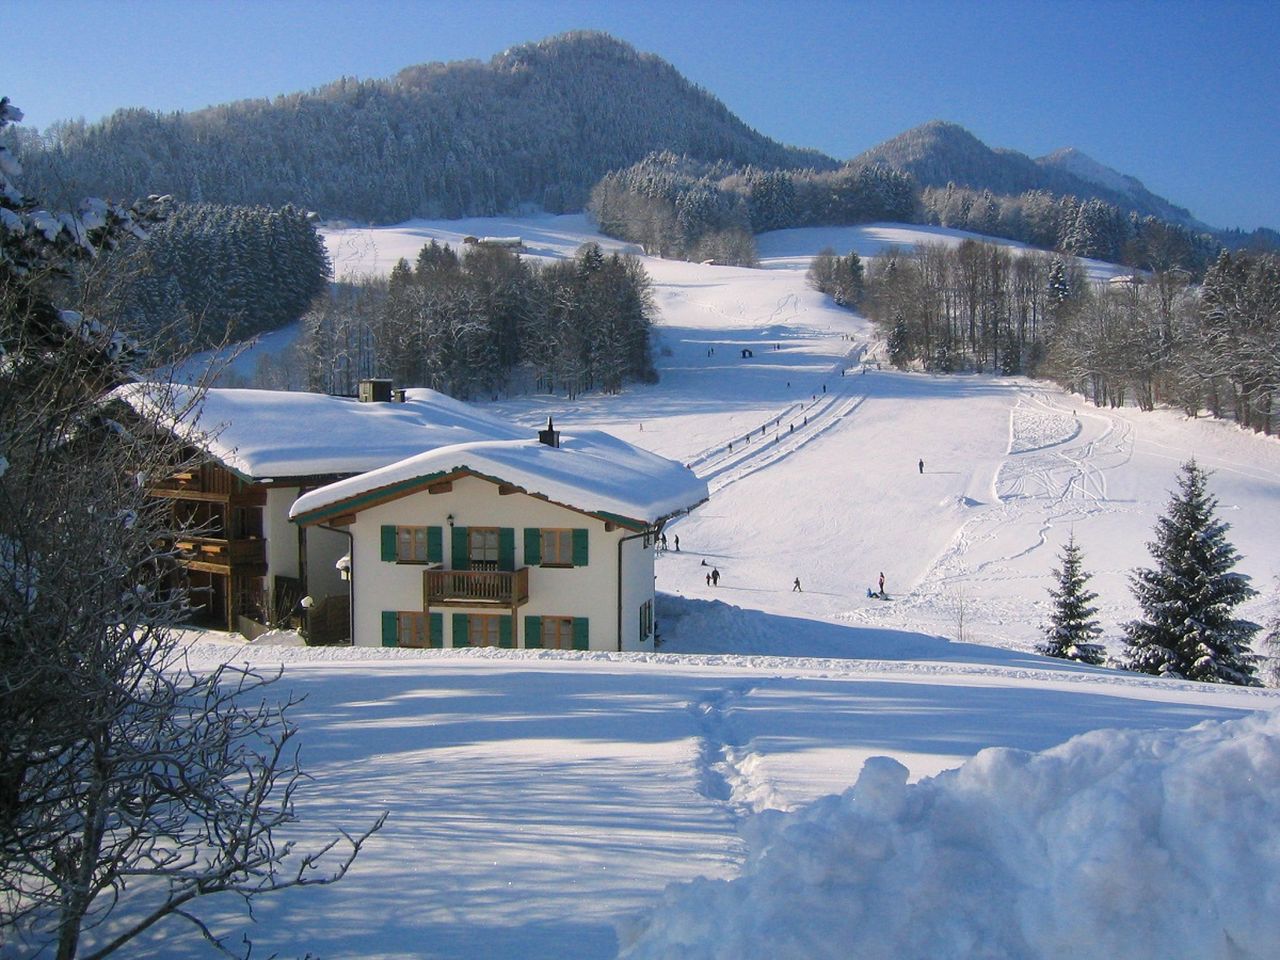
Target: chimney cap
point(550, 436)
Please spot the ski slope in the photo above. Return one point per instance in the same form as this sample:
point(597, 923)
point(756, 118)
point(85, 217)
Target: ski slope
point(822, 484)
point(542, 802)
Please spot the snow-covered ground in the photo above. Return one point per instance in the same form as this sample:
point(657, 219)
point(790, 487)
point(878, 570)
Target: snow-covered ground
point(542, 802)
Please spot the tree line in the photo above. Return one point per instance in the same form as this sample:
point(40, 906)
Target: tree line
point(207, 273)
point(1083, 228)
point(1147, 339)
point(485, 321)
point(679, 207)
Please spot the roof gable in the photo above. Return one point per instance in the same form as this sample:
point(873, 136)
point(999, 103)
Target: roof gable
point(590, 472)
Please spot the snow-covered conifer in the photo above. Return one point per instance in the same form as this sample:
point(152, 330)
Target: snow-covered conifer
point(1187, 601)
point(1073, 630)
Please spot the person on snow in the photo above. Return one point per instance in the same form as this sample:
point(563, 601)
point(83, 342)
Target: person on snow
point(796, 586)
point(882, 584)
point(677, 543)
point(715, 577)
point(921, 465)
point(708, 579)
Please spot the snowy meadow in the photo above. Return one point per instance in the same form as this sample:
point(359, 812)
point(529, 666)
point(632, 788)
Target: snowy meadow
point(810, 772)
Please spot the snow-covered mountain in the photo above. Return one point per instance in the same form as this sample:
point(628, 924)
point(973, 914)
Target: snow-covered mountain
point(939, 152)
point(541, 802)
point(1080, 164)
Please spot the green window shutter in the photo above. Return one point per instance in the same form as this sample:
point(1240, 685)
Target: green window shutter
point(390, 624)
point(389, 542)
point(579, 548)
point(435, 545)
point(506, 548)
point(504, 632)
point(580, 640)
point(533, 633)
point(532, 546)
point(461, 630)
point(460, 550)
point(435, 630)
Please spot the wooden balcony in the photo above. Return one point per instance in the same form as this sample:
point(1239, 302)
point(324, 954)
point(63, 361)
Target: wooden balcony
point(209, 482)
point(470, 588)
point(222, 556)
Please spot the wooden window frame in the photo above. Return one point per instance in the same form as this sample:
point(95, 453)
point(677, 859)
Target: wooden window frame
point(560, 542)
point(417, 547)
point(484, 563)
point(557, 633)
point(413, 628)
point(480, 625)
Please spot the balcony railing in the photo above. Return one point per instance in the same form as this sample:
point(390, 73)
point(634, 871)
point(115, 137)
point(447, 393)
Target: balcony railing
point(471, 587)
point(212, 553)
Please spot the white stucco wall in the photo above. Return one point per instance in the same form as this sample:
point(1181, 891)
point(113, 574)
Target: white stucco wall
point(282, 534)
point(590, 591)
point(323, 547)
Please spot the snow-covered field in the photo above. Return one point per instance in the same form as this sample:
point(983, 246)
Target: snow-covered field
point(541, 803)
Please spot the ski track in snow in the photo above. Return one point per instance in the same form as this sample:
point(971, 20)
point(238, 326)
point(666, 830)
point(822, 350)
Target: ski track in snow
point(1057, 460)
point(783, 434)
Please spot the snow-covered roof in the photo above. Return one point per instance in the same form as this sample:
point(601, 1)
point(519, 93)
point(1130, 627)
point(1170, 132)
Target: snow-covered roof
point(272, 434)
point(590, 471)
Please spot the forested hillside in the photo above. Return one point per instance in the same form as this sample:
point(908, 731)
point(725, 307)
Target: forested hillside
point(207, 273)
point(1149, 340)
point(484, 321)
point(678, 207)
point(538, 124)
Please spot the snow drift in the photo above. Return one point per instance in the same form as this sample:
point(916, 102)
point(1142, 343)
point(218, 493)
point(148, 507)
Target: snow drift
point(1115, 844)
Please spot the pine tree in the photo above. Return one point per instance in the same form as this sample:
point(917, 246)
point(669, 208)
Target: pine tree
point(1188, 629)
point(1073, 628)
point(1271, 641)
point(899, 344)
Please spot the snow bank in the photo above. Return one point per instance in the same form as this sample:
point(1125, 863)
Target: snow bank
point(1115, 844)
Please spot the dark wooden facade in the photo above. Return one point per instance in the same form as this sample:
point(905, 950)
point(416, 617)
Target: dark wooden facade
point(221, 542)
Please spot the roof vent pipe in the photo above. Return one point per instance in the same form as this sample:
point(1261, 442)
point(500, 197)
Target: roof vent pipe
point(549, 436)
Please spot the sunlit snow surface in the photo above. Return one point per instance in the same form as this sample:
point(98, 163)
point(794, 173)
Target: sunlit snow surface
point(540, 803)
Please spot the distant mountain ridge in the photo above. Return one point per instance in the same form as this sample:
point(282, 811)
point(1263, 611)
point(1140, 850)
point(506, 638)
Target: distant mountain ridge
point(538, 124)
point(939, 152)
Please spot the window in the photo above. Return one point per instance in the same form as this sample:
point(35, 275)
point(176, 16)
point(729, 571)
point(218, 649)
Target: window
point(646, 620)
point(414, 630)
point(413, 544)
point(484, 630)
point(557, 548)
point(554, 547)
point(557, 633)
point(483, 548)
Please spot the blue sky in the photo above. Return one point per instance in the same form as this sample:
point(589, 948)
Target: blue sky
point(1181, 95)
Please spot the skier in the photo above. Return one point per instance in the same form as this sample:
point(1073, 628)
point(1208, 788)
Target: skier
point(715, 577)
point(796, 586)
point(881, 584)
point(708, 579)
point(663, 541)
point(677, 543)
point(921, 465)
